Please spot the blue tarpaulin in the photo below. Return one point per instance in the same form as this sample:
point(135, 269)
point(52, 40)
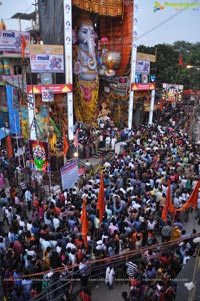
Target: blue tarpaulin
point(3, 134)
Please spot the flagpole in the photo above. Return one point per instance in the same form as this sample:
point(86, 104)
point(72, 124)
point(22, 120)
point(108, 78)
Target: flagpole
point(16, 137)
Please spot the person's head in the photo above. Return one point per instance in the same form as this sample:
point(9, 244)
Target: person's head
point(124, 295)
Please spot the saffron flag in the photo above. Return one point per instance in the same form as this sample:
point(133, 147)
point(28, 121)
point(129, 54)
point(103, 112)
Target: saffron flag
point(84, 222)
point(23, 46)
point(65, 144)
point(9, 147)
point(180, 62)
point(168, 204)
point(100, 201)
point(192, 201)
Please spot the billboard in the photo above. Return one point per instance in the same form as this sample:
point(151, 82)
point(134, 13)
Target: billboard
point(46, 58)
point(11, 40)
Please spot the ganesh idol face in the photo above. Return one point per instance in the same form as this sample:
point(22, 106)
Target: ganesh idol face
point(86, 32)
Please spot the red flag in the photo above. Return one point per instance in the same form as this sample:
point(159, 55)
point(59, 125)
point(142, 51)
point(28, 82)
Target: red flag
point(23, 46)
point(192, 201)
point(9, 147)
point(100, 201)
point(65, 144)
point(168, 204)
point(180, 62)
point(84, 222)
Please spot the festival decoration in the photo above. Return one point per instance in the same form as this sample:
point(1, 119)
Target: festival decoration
point(39, 153)
point(172, 92)
point(111, 8)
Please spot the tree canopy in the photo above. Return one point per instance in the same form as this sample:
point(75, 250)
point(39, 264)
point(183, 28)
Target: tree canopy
point(167, 67)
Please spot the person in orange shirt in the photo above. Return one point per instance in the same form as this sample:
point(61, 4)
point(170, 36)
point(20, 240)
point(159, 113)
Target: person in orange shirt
point(85, 295)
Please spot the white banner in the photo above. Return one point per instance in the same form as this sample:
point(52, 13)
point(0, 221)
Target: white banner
point(12, 40)
point(69, 174)
point(47, 63)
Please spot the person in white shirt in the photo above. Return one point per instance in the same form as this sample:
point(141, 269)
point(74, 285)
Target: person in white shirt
point(56, 222)
point(28, 198)
point(107, 140)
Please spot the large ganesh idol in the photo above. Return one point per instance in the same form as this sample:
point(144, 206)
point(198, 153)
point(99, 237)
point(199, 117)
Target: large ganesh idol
point(86, 81)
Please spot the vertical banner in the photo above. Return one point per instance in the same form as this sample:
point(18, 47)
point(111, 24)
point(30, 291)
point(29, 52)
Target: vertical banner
point(31, 116)
point(133, 61)
point(13, 110)
point(25, 122)
point(68, 61)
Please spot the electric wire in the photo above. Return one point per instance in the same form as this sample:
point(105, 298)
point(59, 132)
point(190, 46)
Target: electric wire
point(165, 21)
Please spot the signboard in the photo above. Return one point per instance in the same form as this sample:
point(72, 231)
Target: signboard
point(142, 87)
point(39, 155)
point(146, 57)
point(69, 174)
point(11, 40)
point(46, 58)
point(59, 89)
point(47, 95)
point(143, 67)
point(46, 78)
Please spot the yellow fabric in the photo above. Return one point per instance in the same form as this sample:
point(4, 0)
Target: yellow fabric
point(110, 8)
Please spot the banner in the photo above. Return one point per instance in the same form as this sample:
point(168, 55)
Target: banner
point(69, 174)
point(13, 110)
point(47, 95)
point(46, 58)
point(143, 67)
point(39, 154)
point(11, 40)
point(25, 123)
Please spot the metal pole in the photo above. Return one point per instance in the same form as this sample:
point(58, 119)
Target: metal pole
point(151, 107)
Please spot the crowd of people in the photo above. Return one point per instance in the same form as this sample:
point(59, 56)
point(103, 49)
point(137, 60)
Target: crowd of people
point(39, 235)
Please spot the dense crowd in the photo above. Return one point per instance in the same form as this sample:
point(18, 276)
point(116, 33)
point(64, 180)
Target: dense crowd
point(40, 234)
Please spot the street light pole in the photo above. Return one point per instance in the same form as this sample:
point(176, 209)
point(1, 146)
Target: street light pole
point(191, 66)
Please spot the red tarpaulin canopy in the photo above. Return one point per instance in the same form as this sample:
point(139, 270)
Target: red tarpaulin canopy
point(191, 92)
